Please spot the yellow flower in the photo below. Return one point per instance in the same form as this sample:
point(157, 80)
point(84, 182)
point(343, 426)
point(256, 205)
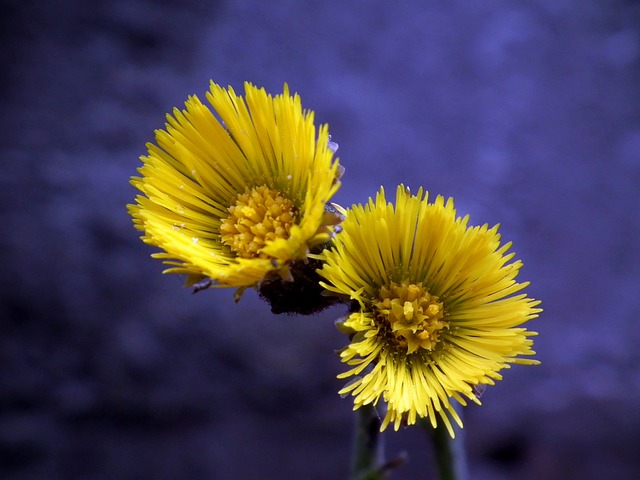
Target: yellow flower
point(437, 310)
point(237, 193)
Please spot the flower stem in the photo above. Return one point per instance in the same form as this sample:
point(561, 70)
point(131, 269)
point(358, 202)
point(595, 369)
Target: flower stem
point(368, 451)
point(450, 452)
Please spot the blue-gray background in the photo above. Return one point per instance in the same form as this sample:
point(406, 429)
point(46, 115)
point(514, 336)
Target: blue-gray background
point(527, 113)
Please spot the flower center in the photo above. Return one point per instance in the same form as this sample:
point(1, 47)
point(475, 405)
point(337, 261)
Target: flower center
point(259, 216)
point(412, 314)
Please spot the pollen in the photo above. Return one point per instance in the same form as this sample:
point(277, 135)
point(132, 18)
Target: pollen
point(411, 315)
point(260, 215)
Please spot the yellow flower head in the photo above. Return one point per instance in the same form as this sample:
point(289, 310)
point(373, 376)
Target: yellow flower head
point(438, 307)
point(236, 193)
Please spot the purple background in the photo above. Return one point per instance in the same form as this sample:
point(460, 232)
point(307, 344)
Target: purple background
point(527, 113)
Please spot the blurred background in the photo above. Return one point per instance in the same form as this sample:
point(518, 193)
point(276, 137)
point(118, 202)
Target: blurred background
point(527, 113)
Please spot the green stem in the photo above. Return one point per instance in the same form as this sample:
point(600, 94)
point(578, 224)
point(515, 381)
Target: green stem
point(450, 452)
point(368, 452)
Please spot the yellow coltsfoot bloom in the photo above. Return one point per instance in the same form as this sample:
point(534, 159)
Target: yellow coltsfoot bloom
point(237, 193)
point(437, 310)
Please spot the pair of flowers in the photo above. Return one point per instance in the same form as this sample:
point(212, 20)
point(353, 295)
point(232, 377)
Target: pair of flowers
point(241, 200)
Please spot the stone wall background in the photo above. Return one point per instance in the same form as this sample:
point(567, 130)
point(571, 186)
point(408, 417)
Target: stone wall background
point(527, 113)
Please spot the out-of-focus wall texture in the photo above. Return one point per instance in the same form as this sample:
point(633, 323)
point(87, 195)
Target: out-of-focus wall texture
point(527, 113)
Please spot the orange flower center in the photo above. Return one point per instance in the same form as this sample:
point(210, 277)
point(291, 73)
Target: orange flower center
point(412, 314)
point(259, 216)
